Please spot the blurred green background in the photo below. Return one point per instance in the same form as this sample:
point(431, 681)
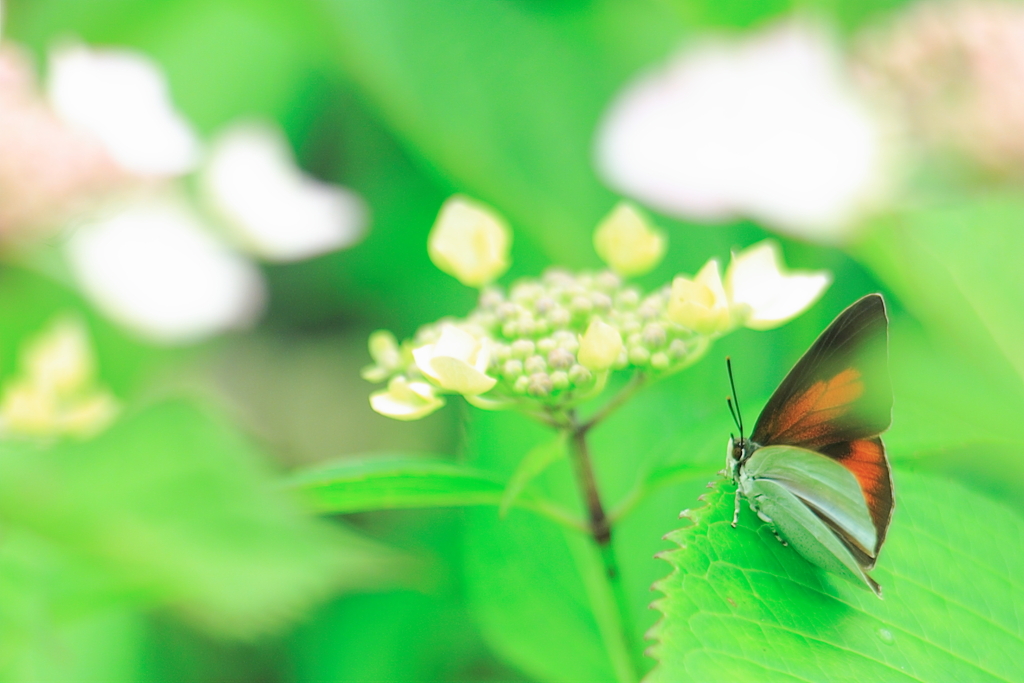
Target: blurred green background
point(224, 577)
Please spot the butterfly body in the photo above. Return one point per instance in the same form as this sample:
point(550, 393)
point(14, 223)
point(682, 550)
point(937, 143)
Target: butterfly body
point(814, 466)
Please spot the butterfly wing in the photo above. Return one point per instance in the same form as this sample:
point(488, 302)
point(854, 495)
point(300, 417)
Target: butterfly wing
point(830, 490)
point(806, 532)
point(836, 400)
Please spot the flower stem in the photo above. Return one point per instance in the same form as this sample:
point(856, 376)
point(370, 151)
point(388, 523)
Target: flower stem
point(608, 597)
point(608, 408)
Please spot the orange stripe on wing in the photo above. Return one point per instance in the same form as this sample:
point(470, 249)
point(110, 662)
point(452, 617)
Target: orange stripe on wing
point(866, 459)
point(806, 420)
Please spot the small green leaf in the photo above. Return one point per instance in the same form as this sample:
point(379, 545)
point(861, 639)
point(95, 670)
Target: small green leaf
point(740, 606)
point(533, 463)
point(390, 483)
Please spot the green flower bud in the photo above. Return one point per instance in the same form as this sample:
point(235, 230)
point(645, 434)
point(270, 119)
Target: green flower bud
point(522, 348)
point(540, 385)
point(581, 305)
point(561, 359)
point(629, 298)
point(535, 364)
point(638, 355)
point(512, 369)
point(580, 376)
point(521, 384)
point(677, 349)
point(559, 317)
point(560, 380)
point(607, 281)
point(654, 336)
point(660, 360)
point(546, 345)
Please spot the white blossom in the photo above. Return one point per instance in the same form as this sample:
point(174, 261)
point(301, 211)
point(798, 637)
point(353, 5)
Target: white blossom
point(765, 127)
point(457, 361)
point(153, 267)
point(273, 209)
point(121, 97)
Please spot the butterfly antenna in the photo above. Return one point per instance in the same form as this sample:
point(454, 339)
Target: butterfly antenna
point(732, 411)
point(737, 415)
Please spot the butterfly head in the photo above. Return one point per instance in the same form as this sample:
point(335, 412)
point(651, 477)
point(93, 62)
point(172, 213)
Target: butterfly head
point(739, 449)
point(738, 452)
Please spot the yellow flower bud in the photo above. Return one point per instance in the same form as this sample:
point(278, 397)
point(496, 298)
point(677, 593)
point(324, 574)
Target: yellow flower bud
point(628, 243)
point(600, 346)
point(56, 395)
point(457, 361)
point(701, 304)
point(405, 400)
point(470, 242)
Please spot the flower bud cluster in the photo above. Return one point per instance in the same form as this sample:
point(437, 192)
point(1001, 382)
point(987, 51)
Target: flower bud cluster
point(548, 343)
point(552, 340)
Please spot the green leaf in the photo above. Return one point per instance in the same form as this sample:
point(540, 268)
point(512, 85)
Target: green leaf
point(533, 463)
point(390, 483)
point(536, 590)
point(942, 262)
point(503, 98)
point(170, 507)
point(739, 606)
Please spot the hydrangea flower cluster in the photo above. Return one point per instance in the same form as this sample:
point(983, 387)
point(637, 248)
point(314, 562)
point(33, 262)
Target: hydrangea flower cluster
point(546, 344)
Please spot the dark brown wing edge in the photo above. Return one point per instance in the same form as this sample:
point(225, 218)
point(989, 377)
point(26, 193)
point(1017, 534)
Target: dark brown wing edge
point(844, 344)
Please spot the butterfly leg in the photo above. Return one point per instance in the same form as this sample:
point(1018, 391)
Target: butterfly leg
point(736, 509)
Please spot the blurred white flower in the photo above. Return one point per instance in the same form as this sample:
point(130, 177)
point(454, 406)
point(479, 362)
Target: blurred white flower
point(701, 304)
point(628, 243)
point(763, 294)
point(153, 267)
point(469, 241)
point(765, 128)
point(457, 361)
point(405, 400)
point(274, 210)
point(121, 97)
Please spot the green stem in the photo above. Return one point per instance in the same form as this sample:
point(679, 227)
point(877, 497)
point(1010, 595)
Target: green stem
point(607, 593)
point(611, 406)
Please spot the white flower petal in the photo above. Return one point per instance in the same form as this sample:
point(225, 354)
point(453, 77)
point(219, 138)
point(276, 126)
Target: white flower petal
point(276, 211)
point(153, 268)
point(461, 377)
point(121, 97)
point(757, 280)
point(385, 403)
point(765, 128)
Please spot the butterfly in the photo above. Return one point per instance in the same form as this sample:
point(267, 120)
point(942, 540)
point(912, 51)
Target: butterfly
point(814, 466)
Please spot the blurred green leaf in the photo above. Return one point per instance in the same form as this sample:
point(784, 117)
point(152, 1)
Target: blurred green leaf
point(740, 606)
point(956, 266)
point(173, 507)
point(502, 99)
point(383, 482)
point(538, 459)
